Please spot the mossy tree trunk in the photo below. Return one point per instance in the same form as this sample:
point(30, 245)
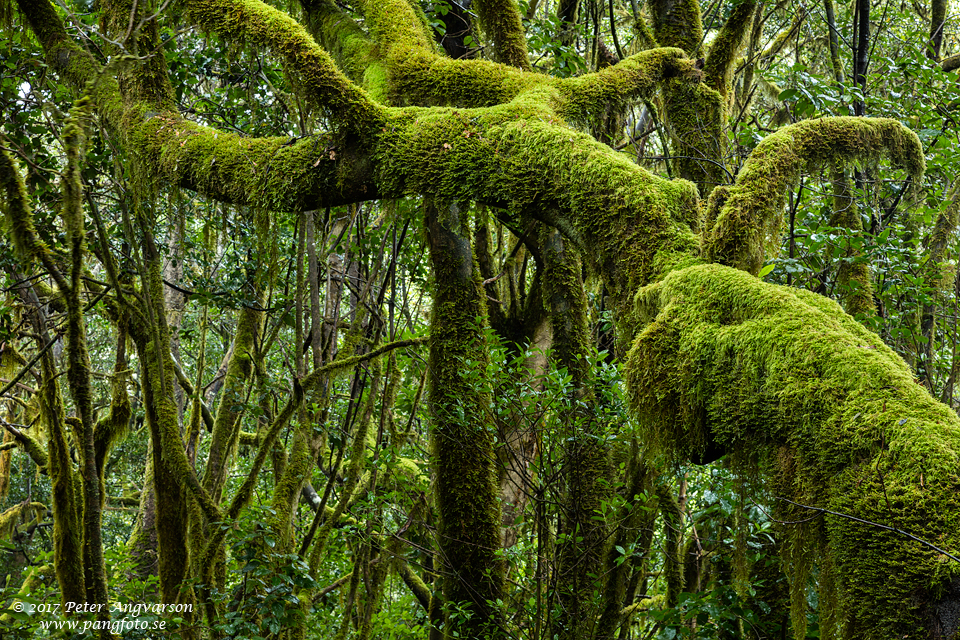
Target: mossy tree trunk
point(78, 363)
point(77, 497)
point(517, 314)
point(718, 359)
point(583, 535)
point(853, 274)
point(698, 114)
point(462, 441)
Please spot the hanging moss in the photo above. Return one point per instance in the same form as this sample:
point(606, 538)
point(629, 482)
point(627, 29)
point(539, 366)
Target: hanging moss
point(788, 383)
point(17, 212)
point(743, 224)
point(75, 64)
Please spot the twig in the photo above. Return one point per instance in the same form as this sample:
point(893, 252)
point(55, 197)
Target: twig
point(874, 524)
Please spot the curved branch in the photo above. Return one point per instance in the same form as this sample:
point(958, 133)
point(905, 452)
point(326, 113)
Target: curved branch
point(614, 88)
point(260, 24)
point(786, 382)
point(743, 221)
point(721, 60)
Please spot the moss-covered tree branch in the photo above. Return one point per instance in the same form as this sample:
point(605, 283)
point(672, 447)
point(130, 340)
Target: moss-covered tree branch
point(722, 57)
point(784, 380)
point(258, 23)
point(743, 221)
point(501, 20)
point(353, 50)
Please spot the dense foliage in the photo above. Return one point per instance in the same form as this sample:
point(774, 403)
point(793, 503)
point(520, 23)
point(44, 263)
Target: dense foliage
point(406, 320)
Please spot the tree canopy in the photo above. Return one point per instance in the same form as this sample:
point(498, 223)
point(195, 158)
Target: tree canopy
point(440, 319)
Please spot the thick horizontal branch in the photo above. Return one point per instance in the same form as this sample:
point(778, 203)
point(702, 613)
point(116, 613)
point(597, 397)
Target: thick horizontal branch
point(588, 97)
point(279, 174)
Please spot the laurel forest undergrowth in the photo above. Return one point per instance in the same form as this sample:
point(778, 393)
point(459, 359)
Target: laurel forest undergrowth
point(437, 319)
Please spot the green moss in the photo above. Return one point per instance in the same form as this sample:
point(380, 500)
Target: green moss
point(259, 24)
point(143, 75)
point(522, 158)
point(722, 57)
point(677, 23)
point(586, 460)
point(19, 514)
point(67, 500)
point(75, 64)
point(612, 89)
point(286, 493)
point(419, 77)
point(338, 34)
point(268, 173)
point(781, 39)
point(467, 494)
point(17, 211)
point(788, 383)
point(396, 25)
point(696, 116)
point(501, 20)
point(743, 224)
point(233, 398)
point(112, 429)
point(672, 533)
point(853, 276)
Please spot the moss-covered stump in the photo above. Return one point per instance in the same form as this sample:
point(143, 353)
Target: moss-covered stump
point(791, 386)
